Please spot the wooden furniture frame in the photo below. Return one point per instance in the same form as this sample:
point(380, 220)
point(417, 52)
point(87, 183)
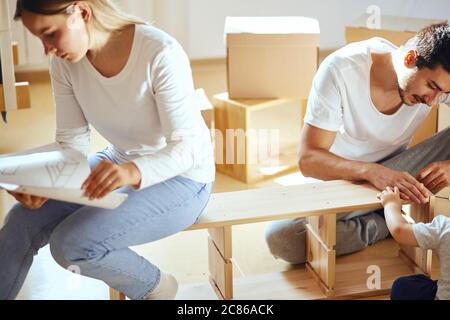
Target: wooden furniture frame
point(325, 276)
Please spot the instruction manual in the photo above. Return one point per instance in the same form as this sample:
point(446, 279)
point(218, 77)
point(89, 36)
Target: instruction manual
point(55, 175)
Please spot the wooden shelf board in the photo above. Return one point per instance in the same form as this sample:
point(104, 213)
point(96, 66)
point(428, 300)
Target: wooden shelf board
point(299, 284)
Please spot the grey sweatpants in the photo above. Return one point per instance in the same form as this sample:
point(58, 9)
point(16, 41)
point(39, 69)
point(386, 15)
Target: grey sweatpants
point(355, 231)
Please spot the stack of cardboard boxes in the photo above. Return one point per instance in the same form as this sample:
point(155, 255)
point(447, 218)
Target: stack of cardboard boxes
point(271, 62)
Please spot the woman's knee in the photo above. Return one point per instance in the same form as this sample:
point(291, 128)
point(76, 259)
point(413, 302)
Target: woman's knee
point(287, 240)
point(70, 247)
point(22, 223)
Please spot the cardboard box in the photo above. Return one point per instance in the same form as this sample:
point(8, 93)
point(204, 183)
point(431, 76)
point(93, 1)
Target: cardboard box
point(443, 117)
point(257, 139)
point(271, 57)
point(428, 128)
point(397, 30)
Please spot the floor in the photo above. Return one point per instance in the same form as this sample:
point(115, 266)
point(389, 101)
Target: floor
point(184, 254)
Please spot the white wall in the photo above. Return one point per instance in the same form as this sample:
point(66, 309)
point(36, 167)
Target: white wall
point(198, 24)
point(205, 19)
point(141, 8)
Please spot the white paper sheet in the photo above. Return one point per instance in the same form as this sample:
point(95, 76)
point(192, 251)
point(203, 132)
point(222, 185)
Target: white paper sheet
point(56, 174)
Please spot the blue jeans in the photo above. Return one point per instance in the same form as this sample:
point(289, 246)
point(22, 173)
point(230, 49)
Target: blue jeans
point(96, 241)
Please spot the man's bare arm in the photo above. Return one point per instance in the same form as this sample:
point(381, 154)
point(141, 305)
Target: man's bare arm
point(316, 160)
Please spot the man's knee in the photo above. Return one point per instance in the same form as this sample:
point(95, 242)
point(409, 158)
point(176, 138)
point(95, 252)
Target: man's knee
point(358, 233)
point(287, 240)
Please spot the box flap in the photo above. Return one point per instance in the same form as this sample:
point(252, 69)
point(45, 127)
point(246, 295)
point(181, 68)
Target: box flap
point(271, 25)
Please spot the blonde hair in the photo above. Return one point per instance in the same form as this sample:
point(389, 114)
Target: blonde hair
point(107, 18)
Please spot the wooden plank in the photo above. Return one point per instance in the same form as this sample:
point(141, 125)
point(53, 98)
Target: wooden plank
point(221, 271)
point(299, 284)
point(286, 202)
point(295, 284)
point(325, 227)
point(23, 96)
point(223, 241)
point(441, 206)
point(116, 295)
point(352, 277)
point(320, 260)
point(326, 291)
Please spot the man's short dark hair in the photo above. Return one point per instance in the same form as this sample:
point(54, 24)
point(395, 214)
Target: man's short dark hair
point(433, 46)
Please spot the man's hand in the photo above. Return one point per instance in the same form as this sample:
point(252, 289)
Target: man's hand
point(108, 176)
point(410, 189)
point(435, 176)
point(30, 202)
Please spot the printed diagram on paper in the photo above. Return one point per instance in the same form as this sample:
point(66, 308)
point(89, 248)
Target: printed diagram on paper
point(60, 172)
point(9, 171)
point(57, 169)
point(57, 175)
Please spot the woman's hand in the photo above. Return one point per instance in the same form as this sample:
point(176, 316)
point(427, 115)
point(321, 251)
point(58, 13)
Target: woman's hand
point(28, 201)
point(108, 176)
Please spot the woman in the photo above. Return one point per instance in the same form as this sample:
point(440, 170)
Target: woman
point(133, 83)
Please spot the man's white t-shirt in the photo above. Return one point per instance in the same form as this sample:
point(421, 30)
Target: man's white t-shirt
point(340, 101)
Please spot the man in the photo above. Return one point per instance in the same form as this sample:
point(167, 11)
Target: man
point(367, 101)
